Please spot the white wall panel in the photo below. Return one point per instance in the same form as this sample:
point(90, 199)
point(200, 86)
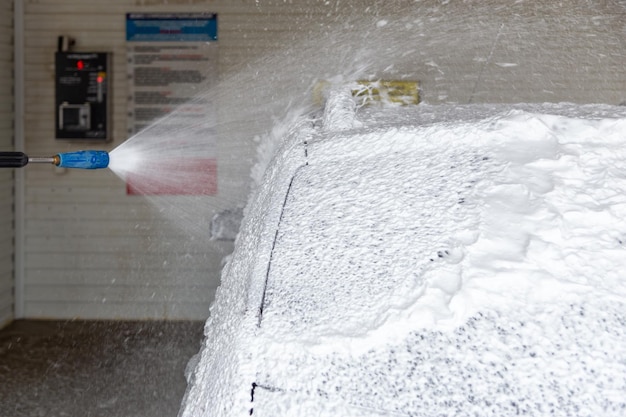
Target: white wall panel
point(6, 176)
point(91, 251)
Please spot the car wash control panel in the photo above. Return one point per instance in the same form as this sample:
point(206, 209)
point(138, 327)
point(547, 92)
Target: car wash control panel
point(82, 95)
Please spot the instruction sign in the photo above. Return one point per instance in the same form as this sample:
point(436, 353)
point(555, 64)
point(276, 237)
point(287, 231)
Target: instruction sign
point(171, 66)
point(171, 27)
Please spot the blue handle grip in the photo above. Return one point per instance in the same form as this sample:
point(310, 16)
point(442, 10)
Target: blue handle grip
point(84, 159)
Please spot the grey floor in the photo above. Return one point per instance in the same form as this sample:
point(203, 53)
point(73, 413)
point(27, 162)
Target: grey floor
point(95, 368)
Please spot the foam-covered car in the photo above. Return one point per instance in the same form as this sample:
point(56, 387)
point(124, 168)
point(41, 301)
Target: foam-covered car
point(427, 261)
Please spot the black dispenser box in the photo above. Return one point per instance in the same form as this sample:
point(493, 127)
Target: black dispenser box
point(82, 95)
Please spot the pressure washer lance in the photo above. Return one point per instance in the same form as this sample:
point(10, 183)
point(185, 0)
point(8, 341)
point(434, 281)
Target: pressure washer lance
point(80, 159)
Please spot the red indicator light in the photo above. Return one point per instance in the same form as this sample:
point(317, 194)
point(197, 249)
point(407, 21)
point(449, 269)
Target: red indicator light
point(80, 64)
point(99, 79)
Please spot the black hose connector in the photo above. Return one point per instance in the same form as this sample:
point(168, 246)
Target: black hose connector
point(13, 159)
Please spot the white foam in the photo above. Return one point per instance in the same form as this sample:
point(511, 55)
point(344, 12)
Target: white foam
point(489, 249)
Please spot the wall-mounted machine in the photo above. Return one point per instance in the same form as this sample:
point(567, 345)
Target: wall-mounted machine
point(82, 95)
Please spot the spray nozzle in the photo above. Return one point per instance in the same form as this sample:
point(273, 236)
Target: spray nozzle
point(80, 159)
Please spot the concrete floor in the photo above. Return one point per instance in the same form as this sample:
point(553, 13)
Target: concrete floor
point(95, 368)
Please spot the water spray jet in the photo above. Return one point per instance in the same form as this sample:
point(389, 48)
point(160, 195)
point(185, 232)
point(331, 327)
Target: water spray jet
point(79, 159)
